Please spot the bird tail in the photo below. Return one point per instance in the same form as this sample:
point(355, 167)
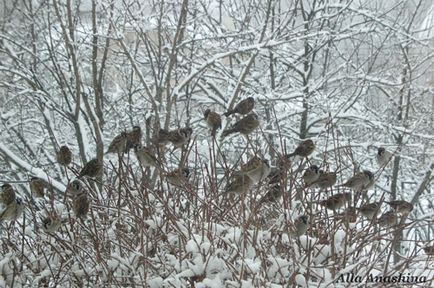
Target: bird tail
point(227, 132)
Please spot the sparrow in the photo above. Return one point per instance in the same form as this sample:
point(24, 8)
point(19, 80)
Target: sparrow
point(12, 211)
point(64, 156)
point(7, 195)
point(304, 149)
point(370, 210)
point(145, 155)
point(51, 223)
point(134, 137)
point(118, 144)
point(311, 175)
point(360, 181)
point(349, 215)
point(256, 168)
point(91, 169)
point(243, 107)
point(74, 188)
point(429, 250)
point(80, 204)
point(336, 201)
point(37, 187)
point(325, 180)
point(178, 177)
point(388, 219)
point(177, 137)
point(245, 126)
point(273, 195)
point(300, 225)
point(213, 120)
point(401, 206)
point(383, 157)
point(238, 184)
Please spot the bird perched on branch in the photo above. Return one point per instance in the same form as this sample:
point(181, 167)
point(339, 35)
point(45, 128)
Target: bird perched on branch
point(256, 168)
point(213, 120)
point(118, 144)
point(64, 156)
point(37, 187)
point(370, 210)
point(91, 169)
point(80, 203)
point(325, 180)
point(177, 137)
point(245, 126)
point(304, 149)
point(134, 137)
point(383, 156)
point(178, 177)
point(401, 206)
point(311, 175)
point(336, 201)
point(243, 107)
point(145, 155)
point(360, 181)
point(8, 194)
point(13, 210)
point(238, 184)
point(300, 225)
point(388, 219)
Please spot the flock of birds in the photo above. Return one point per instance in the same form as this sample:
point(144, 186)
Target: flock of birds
point(257, 169)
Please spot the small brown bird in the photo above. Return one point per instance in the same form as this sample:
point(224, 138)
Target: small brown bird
point(243, 107)
point(370, 210)
point(256, 168)
point(177, 137)
point(12, 211)
point(360, 181)
point(146, 156)
point(325, 180)
point(51, 223)
point(429, 250)
point(73, 188)
point(213, 120)
point(37, 187)
point(348, 216)
point(134, 137)
point(304, 149)
point(238, 184)
point(311, 175)
point(91, 169)
point(178, 177)
point(80, 204)
point(245, 126)
point(64, 156)
point(300, 225)
point(118, 144)
point(401, 206)
point(7, 195)
point(336, 201)
point(383, 157)
point(388, 219)
point(273, 195)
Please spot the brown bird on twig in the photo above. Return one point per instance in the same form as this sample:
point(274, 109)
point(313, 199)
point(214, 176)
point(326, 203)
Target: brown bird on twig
point(401, 206)
point(213, 120)
point(134, 137)
point(8, 194)
point(336, 201)
point(245, 126)
point(37, 187)
point(370, 210)
point(243, 107)
point(304, 149)
point(118, 144)
point(91, 169)
point(64, 156)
